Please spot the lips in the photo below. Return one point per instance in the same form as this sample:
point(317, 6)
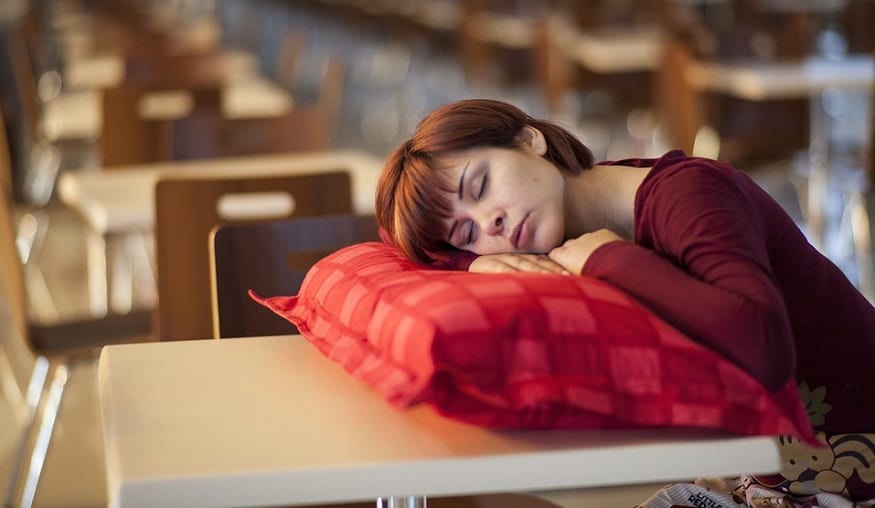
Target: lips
point(517, 232)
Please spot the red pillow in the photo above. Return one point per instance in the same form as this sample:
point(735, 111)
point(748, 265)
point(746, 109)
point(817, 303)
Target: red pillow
point(522, 350)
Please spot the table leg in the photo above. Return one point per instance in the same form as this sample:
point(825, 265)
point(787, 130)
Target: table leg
point(818, 172)
point(98, 263)
point(402, 502)
point(860, 228)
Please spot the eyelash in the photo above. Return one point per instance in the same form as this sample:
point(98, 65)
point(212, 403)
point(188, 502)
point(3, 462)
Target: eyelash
point(483, 184)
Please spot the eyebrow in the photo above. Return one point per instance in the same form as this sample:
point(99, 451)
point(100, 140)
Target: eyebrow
point(462, 179)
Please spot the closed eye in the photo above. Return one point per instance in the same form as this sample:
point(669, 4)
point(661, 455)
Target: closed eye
point(469, 238)
point(484, 184)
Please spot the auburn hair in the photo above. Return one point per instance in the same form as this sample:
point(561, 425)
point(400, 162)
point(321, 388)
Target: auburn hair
point(411, 200)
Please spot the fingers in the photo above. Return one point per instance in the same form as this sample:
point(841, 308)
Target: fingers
point(506, 263)
point(540, 264)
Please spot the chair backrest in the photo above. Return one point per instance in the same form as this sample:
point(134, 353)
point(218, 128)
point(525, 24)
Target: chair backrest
point(207, 133)
point(331, 92)
point(128, 138)
point(11, 269)
point(187, 209)
point(16, 357)
point(680, 105)
point(5, 157)
point(190, 71)
point(272, 258)
point(289, 58)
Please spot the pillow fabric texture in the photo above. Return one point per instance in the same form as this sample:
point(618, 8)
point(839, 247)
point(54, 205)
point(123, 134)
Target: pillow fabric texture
point(523, 350)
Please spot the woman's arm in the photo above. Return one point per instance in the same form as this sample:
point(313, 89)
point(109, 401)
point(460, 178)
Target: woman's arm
point(708, 272)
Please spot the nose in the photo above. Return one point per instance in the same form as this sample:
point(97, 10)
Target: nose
point(492, 222)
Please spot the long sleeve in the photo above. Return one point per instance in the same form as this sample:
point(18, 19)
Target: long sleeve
point(700, 262)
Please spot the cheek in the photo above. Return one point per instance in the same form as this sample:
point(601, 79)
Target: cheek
point(551, 235)
point(491, 245)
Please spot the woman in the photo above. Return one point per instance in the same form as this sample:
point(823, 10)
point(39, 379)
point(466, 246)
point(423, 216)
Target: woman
point(485, 187)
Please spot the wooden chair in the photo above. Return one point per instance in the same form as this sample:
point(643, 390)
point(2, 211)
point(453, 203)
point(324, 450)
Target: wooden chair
point(191, 71)
point(680, 106)
point(272, 258)
point(187, 209)
point(35, 353)
point(289, 58)
point(207, 133)
point(128, 138)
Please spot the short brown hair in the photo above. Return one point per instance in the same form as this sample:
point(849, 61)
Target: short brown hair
point(411, 197)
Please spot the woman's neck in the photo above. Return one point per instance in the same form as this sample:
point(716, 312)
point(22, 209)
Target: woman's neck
point(602, 197)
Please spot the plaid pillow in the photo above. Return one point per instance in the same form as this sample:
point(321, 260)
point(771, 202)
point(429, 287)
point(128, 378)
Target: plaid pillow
point(522, 350)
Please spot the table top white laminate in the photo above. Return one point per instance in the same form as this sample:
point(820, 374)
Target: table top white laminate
point(77, 114)
point(270, 420)
point(122, 199)
point(106, 70)
point(612, 51)
point(758, 81)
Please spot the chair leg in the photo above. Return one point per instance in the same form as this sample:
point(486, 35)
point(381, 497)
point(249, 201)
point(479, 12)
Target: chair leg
point(35, 389)
point(10, 388)
point(98, 283)
point(30, 239)
point(40, 447)
point(402, 502)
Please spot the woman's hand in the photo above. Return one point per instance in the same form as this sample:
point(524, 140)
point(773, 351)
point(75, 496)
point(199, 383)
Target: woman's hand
point(574, 253)
point(504, 263)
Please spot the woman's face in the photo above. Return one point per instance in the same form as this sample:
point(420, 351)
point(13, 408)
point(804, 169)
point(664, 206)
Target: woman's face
point(506, 200)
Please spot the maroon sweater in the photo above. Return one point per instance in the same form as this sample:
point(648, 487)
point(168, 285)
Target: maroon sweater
point(719, 259)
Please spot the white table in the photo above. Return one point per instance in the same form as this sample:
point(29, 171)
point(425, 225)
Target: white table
point(122, 198)
point(106, 70)
point(760, 81)
point(118, 207)
point(810, 78)
point(79, 114)
point(611, 51)
point(261, 421)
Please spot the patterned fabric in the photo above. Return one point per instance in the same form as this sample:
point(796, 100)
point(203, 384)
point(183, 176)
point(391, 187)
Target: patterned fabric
point(844, 465)
point(748, 491)
point(523, 350)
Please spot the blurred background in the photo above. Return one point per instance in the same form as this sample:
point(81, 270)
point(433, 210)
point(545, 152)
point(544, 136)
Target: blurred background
point(781, 88)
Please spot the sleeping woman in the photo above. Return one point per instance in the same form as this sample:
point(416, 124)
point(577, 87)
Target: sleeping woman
point(483, 186)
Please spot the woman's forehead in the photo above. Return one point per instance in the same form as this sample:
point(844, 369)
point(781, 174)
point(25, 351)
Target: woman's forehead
point(455, 162)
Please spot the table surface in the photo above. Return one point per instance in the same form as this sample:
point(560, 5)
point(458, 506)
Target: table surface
point(106, 69)
point(78, 114)
point(121, 199)
point(612, 51)
point(270, 420)
point(758, 81)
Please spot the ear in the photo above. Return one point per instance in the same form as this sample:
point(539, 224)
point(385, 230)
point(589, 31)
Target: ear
point(532, 139)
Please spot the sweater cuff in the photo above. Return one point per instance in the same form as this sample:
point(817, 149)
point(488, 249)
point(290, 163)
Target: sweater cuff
point(460, 260)
point(601, 262)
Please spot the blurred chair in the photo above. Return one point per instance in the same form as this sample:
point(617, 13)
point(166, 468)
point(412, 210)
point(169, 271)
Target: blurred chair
point(272, 258)
point(315, 81)
point(127, 137)
point(40, 352)
point(34, 162)
point(191, 71)
point(680, 106)
point(289, 59)
point(206, 132)
point(187, 209)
